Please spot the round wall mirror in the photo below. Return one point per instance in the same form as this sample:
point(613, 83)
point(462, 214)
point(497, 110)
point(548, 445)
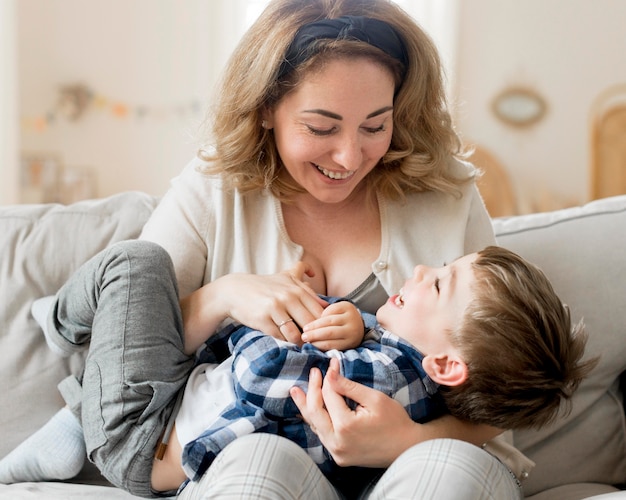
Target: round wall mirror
point(519, 106)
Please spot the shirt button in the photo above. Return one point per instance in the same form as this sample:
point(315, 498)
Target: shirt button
point(381, 265)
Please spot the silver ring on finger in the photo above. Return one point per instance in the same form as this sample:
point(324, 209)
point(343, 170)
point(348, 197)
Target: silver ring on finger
point(283, 323)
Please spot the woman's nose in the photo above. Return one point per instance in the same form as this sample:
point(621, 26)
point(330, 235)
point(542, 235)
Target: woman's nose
point(348, 153)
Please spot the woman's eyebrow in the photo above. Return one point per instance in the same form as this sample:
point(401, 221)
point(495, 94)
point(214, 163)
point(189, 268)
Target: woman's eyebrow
point(323, 112)
point(335, 116)
point(380, 111)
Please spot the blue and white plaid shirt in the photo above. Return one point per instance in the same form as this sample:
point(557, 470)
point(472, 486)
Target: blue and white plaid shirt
point(265, 369)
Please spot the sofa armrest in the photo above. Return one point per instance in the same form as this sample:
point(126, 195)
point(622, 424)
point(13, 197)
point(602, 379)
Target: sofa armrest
point(582, 251)
point(40, 246)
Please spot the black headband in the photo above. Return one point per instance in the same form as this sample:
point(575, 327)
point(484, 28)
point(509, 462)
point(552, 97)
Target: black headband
point(373, 31)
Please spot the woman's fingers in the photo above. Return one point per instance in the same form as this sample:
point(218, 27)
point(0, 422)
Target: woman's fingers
point(277, 304)
point(288, 330)
point(372, 435)
point(311, 404)
point(299, 311)
point(301, 306)
point(337, 387)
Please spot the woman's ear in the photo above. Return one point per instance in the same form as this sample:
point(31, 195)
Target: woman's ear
point(267, 121)
point(445, 369)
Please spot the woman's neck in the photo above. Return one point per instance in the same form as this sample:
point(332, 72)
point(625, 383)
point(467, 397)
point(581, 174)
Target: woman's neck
point(359, 201)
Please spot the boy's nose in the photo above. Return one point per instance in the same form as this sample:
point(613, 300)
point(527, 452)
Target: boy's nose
point(420, 271)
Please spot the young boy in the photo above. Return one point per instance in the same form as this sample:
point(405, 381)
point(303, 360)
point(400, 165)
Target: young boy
point(485, 338)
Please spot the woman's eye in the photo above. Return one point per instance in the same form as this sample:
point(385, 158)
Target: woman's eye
point(375, 130)
point(321, 131)
point(436, 284)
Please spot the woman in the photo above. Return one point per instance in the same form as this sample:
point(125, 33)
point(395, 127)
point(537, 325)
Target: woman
point(332, 145)
point(341, 153)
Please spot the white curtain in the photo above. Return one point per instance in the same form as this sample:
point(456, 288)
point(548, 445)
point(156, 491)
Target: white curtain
point(9, 137)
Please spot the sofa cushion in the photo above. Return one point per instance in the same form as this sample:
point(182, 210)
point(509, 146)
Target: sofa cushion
point(41, 245)
point(62, 491)
point(582, 250)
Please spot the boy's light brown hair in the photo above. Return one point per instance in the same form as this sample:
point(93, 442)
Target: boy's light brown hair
point(523, 355)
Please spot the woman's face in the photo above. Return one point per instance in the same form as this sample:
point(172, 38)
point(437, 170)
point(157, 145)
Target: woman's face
point(334, 128)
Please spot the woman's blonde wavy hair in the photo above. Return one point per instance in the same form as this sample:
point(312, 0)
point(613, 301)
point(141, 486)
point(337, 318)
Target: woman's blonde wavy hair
point(244, 154)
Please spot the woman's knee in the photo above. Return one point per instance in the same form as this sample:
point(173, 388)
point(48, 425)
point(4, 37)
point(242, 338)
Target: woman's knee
point(447, 468)
point(262, 466)
point(277, 455)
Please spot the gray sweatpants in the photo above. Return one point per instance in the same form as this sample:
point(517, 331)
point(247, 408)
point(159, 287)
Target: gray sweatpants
point(124, 301)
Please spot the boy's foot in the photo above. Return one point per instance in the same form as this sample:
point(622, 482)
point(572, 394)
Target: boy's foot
point(54, 452)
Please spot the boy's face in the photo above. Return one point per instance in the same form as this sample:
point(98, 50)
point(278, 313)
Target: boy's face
point(431, 302)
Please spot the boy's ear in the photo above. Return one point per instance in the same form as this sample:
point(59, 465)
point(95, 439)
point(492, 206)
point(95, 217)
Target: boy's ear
point(445, 369)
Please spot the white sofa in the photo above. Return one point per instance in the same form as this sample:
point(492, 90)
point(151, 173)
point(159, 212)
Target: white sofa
point(583, 251)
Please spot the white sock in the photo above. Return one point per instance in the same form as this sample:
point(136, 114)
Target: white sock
point(40, 310)
point(54, 452)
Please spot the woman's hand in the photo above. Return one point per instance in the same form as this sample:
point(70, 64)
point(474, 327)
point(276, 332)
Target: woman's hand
point(275, 304)
point(379, 430)
point(340, 327)
point(373, 435)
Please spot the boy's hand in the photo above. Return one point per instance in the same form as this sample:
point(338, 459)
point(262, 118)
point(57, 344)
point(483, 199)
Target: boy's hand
point(340, 327)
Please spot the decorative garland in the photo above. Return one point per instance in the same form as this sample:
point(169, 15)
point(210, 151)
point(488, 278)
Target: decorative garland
point(77, 99)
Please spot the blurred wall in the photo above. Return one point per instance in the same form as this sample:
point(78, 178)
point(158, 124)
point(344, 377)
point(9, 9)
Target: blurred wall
point(152, 65)
point(9, 128)
point(569, 51)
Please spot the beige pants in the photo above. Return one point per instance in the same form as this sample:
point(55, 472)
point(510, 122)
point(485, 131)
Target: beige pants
point(268, 467)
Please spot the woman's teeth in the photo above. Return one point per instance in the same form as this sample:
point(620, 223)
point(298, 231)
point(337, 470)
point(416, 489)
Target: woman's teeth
point(336, 175)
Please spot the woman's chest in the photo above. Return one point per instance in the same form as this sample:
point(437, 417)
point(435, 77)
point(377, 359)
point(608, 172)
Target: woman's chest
point(339, 252)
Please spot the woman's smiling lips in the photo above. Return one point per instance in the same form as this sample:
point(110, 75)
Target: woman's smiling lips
point(340, 176)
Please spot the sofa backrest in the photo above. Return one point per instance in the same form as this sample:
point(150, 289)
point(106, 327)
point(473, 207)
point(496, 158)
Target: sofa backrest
point(583, 252)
